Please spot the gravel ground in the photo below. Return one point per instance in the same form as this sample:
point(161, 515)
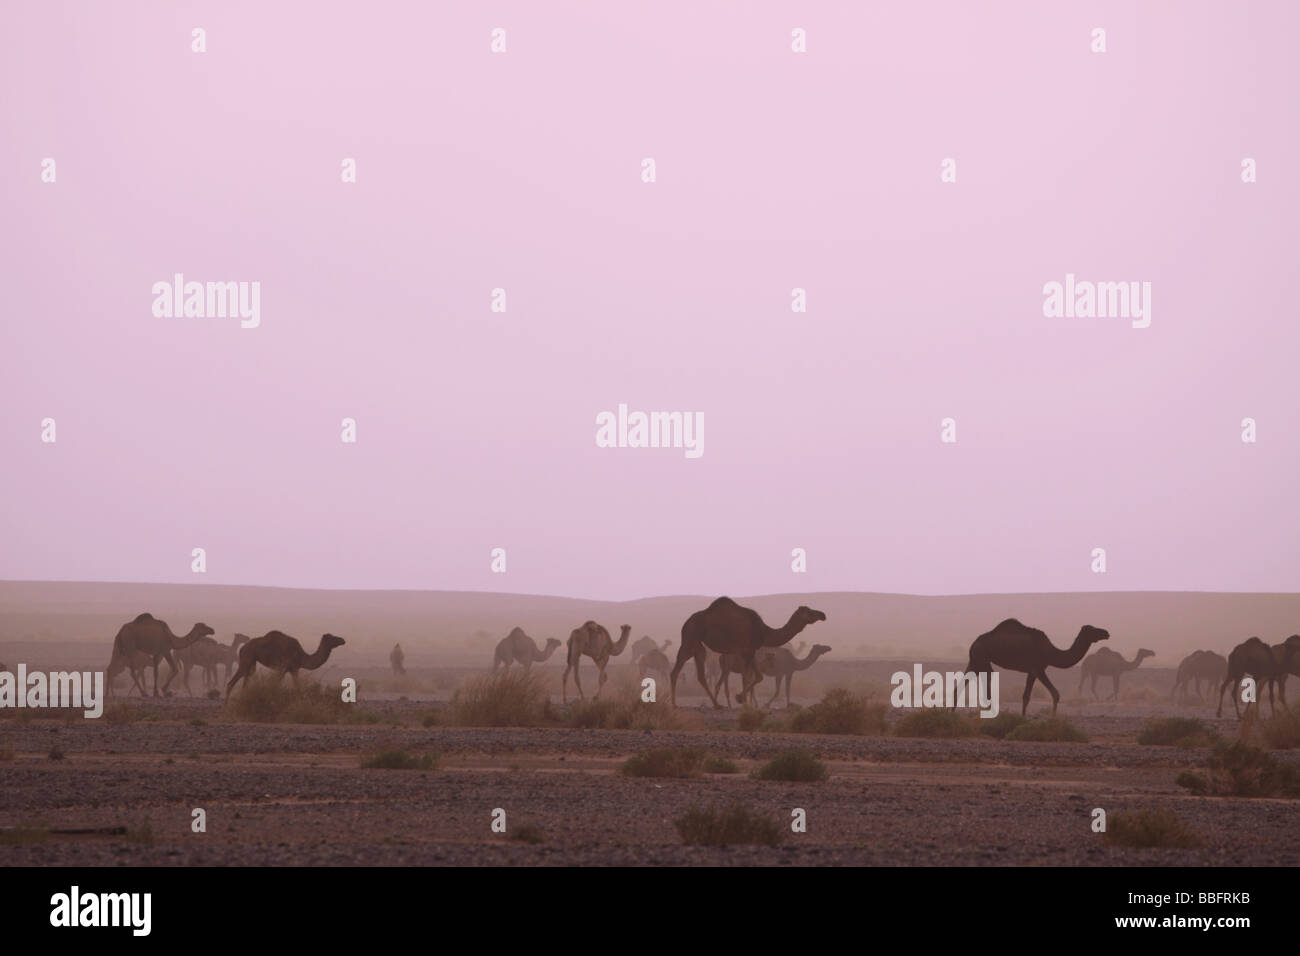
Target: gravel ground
point(281, 794)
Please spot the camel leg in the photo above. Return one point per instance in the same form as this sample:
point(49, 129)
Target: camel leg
point(1029, 689)
point(1056, 697)
point(1219, 712)
point(777, 693)
point(167, 656)
point(1115, 694)
point(576, 682)
point(600, 680)
point(240, 674)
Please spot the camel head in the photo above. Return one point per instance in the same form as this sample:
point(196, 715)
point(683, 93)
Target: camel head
point(202, 630)
point(818, 650)
point(240, 639)
point(1290, 651)
point(804, 615)
point(1143, 653)
point(1090, 635)
point(329, 641)
point(552, 642)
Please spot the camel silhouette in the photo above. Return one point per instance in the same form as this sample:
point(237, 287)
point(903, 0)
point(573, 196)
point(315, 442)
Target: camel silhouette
point(1014, 646)
point(1287, 657)
point(518, 648)
point(778, 662)
point(726, 627)
point(209, 654)
point(1107, 663)
point(1254, 658)
point(281, 653)
point(396, 660)
point(152, 637)
point(1196, 667)
point(594, 641)
point(655, 661)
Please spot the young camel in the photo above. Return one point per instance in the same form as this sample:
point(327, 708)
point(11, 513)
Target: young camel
point(778, 662)
point(209, 654)
point(1107, 663)
point(594, 641)
point(282, 653)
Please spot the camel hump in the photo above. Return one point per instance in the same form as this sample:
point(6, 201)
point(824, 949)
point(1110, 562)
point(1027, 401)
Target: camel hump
point(723, 602)
point(142, 618)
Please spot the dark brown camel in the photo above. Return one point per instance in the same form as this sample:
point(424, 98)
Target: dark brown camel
point(1255, 658)
point(1013, 646)
point(1196, 667)
point(726, 627)
point(1287, 657)
point(518, 648)
point(594, 641)
point(282, 653)
point(1107, 663)
point(152, 637)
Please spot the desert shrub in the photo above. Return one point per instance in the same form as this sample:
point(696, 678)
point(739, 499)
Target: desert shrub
point(267, 699)
point(1050, 729)
point(1239, 770)
point(24, 834)
point(736, 824)
point(1000, 726)
point(793, 765)
point(508, 699)
point(401, 760)
point(1146, 828)
point(619, 713)
point(1176, 731)
point(839, 712)
point(429, 720)
point(715, 764)
point(527, 832)
point(198, 722)
point(935, 723)
point(750, 718)
point(664, 762)
point(1282, 731)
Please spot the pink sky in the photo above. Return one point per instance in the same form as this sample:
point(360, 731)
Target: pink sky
point(775, 170)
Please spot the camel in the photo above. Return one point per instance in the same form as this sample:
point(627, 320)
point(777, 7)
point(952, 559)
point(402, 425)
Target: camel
point(726, 627)
point(778, 662)
point(148, 635)
point(209, 655)
point(282, 653)
point(643, 646)
point(1287, 657)
point(397, 659)
point(1013, 646)
point(518, 648)
point(1196, 667)
point(1107, 663)
point(1252, 656)
point(655, 661)
point(594, 641)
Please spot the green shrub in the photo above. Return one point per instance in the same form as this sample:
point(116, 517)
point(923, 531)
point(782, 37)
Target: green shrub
point(1050, 729)
point(267, 699)
point(793, 765)
point(839, 712)
point(1001, 725)
point(717, 764)
point(934, 722)
point(401, 760)
point(750, 718)
point(1176, 731)
point(1239, 770)
point(664, 762)
point(1147, 828)
point(1282, 731)
point(734, 825)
